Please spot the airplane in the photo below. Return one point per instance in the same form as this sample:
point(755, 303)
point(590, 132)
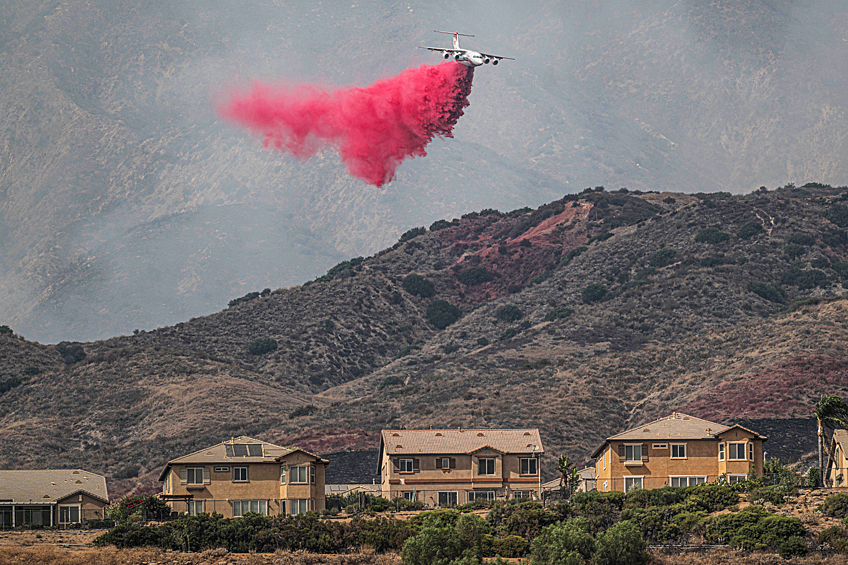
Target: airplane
point(465, 56)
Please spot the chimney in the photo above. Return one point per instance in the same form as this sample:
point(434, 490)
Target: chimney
point(460, 429)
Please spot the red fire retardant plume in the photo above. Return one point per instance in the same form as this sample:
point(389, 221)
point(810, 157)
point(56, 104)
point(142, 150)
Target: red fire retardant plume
point(374, 128)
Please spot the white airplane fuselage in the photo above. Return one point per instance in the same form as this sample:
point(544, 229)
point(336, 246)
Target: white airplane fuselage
point(468, 58)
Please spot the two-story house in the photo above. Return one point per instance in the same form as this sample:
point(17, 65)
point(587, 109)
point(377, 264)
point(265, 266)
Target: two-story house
point(245, 475)
point(678, 450)
point(456, 466)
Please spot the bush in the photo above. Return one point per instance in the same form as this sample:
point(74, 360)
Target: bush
point(810, 279)
point(838, 214)
point(413, 233)
point(127, 472)
point(419, 286)
point(71, 352)
point(474, 276)
point(594, 292)
point(794, 251)
point(836, 537)
point(304, 410)
point(558, 313)
point(343, 269)
point(755, 529)
point(509, 334)
point(820, 263)
point(262, 345)
point(567, 542)
point(711, 235)
point(767, 291)
point(6, 330)
point(440, 225)
point(835, 505)
point(749, 230)
point(713, 261)
point(509, 313)
point(572, 253)
point(482, 341)
point(622, 544)
point(394, 380)
point(9, 384)
point(442, 313)
point(662, 258)
point(841, 268)
point(802, 239)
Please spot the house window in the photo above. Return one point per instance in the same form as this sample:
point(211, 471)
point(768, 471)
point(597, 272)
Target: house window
point(522, 493)
point(240, 474)
point(409, 495)
point(660, 446)
point(299, 505)
point(242, 507)
point(721, 452)
point(405, 466)
point(631, 483)
point(447, 498)
point(633, 452)
point(194, 475)
point(736, 451)
point(486, 466)
point(222, 469)
point(606, 485)
point(282, 474)
point(604, 459)
point(529, 466)
point(678, 451)
point(195, 507)
point(312, 474)
point(445, 463)
point(68, 514)
point(687, 481)
point(750, 452)
point(299, 475)
point(733, 479)
point(480, 495)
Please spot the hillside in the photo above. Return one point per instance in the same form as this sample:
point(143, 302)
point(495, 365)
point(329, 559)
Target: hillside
point(125, 203)
point(589, 314)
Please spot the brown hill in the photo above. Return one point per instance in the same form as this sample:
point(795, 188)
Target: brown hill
point(589, 314)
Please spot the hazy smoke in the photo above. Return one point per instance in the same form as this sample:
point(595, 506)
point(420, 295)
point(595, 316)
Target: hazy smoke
point(374, 128)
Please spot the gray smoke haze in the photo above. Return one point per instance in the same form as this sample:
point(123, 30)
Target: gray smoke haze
point(125, 204)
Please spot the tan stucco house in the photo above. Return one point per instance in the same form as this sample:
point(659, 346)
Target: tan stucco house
point(52, 497)
point(455, 466)
point(678, 450)
point(244, 475)
point(837, 471)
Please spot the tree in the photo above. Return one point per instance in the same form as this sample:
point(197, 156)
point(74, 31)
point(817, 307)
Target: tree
point(831, 412)
point(442, 313)
point(569, 476)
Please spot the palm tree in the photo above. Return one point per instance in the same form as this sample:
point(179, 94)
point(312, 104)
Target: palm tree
point(831, 412)
point(568, 476)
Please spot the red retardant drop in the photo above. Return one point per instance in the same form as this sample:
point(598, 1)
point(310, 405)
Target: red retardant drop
point(374, 128)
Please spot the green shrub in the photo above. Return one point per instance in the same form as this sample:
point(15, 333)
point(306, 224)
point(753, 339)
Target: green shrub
point(407, 349)
point(601, 509)
point(838, 214)
point(394, 380)
point(792, 547)
point(413, 233)
point(433, 545)
point(509, 334)
point(563, 542)
point(9, 384)
point(343, 269)
point(662, 258)
point(841, 269)
point(820, 263)
point(836, 537)
point(711, 235)
point(419, 286)
point(482, 341)
point(509, 547)
point(572, 253)
point(442, 313)
point(767, 291)
point(261, 345)
point(558, 313)
point(749, 230)
point(29, 371)
point(509, 313)
point(622, 544)
point(537, 279)
point(835, 505)
point(474, 276)
point(753, 528)
point(600, 237)
point(6, 330)
point(304, 410)
point(525, 519)
point(440, 225)
point(802, 239)
point(127, 472)
point(810, 279)
point(794, 251)
point(71, 352)
point(713, 261)
point(594, 292)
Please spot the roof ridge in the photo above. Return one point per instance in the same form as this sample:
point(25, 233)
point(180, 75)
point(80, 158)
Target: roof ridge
point(671, 416)
point(224, 442)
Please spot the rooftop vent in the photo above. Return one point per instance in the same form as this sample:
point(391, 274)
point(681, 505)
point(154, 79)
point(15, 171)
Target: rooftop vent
point(398, 446)
point(438, 434)
point(527, 433)
point(480, 434)
point(395, 434)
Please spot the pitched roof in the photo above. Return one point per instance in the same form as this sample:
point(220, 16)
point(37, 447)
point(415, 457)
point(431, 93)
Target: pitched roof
point(50, 485)
point(676, 426)
point(226, 453)
point(459, 441)
point(840, 436)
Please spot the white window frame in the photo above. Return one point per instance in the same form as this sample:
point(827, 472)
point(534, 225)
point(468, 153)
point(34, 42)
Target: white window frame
point(312, 474)
point(750, 451)
point(486, 462)
point(677, 447)
point(632, 480)
point(70, 518)
point(522, 494)
point(406, 466)
point(604, 458)
point(737, 444)
point(193, 472)
point(733, 479)
point(474, 495)
point(237, 475)
point(196, 507)
point(691, 480)
point(295, 472)
point(448, 495)
point(445, 463)
point(660, 446)
point(721, 451)
point(283, 474)
point(242, 507)
point(534, 464)
point(631, 456)
point(298, 506)
point(409, 495)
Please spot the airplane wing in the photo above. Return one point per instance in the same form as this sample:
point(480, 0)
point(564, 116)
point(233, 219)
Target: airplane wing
point(496, 56)
point(442, 49)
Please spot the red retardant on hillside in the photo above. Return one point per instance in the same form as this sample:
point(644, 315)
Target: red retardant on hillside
point(374, 128)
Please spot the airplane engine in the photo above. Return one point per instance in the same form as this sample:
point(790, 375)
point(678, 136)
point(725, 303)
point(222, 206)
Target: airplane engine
point(456, 57)
point(447, 55)
point(486, 61)
point(495, 62)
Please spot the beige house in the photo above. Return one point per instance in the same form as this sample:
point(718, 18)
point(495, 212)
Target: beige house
point(245, 475)
point(678, 450)
point(55, 497)
point(456, 466)
point(837, 471)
